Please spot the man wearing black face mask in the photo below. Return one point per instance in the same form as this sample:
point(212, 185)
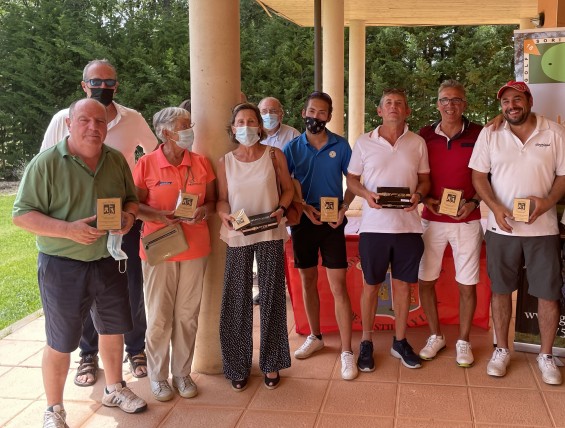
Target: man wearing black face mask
point(318, 158)
point(127, 130)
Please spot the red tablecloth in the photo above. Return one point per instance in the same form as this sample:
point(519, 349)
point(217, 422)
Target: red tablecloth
point(446, 289)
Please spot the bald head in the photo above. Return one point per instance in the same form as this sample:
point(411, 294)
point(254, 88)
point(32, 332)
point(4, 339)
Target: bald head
point(87, 124)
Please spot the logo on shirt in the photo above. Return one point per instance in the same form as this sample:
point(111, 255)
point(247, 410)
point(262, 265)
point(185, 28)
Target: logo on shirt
point(164, 183)
point(333, 154)
point(543, 144)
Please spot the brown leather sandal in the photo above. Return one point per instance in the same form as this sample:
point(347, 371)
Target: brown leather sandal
point(136, 361)
point(88, 364)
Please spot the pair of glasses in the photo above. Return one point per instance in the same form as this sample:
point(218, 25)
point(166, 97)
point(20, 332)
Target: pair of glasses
point(454, 101)
point(95, 83)
point(271, 111)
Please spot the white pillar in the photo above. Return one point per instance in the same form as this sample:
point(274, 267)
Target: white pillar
point(333, 59)
point(356, 113)
point(215, 82)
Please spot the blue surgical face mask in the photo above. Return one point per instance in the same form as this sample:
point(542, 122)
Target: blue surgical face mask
point(247, 135)
point(186, 139)
point(114, 246)
point(270, 121)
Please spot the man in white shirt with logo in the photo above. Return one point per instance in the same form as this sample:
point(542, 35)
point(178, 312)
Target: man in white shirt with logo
point(526, 159)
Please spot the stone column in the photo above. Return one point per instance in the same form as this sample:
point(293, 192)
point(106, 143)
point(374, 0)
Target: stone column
point(356, 114)
point(215, 85)
point(333, 59)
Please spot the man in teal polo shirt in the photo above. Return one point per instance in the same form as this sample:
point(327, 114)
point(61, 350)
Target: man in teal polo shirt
point(57, 202)
point(318, 159)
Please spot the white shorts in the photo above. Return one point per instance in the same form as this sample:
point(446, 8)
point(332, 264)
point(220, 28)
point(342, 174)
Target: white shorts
point(465, 240)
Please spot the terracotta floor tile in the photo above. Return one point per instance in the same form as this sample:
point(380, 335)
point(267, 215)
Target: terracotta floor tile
point(361, 398)
point(292, 395)
point(531, 358)
point(216, 391)
point(441, 370)
point(431, 423)
point(113, 417)
point(13, 352)
point(273, 418)
point(357, 421)
point(10, 407)
point(434, 402)
point(387, 368)
point(509, 406)
point(319, 366)
point(32, 416)
point(34, 330)
point(195, 417)
point(556, 403)
point(518, 375)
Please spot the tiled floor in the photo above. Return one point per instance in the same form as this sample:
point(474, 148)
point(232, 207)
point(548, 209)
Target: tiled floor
point(311, 393)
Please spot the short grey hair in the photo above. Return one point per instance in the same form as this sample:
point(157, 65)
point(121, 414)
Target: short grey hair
point(451, 83)
point(102, 61)
point(166, 118)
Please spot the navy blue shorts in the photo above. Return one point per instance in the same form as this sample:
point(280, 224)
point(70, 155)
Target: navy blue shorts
point(402, 251)
point(70, 288)
point(309, 240)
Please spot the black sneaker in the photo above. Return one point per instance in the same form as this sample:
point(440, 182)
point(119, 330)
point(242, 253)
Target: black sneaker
point(401, 349)
point(366, 362)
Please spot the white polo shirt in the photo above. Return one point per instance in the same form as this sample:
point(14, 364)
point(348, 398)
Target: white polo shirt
point(383, 165)
point(127, 131)
point(521, 170)
point(280, 138)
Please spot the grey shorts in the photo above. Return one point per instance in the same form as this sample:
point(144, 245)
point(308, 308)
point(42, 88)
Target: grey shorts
point(541, 255)
point(70, 288)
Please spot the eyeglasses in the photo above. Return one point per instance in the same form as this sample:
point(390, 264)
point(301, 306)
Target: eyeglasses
point(271, 111)
point(95, 83)
point(454, 101)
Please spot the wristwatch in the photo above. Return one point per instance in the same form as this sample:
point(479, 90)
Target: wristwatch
point(475, 201)
point(280, 207)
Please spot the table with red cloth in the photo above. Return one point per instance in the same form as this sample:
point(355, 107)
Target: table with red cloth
point(446, 290)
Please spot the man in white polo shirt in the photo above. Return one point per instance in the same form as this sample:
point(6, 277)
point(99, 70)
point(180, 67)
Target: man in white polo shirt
point(389, 156)
point(526, 159)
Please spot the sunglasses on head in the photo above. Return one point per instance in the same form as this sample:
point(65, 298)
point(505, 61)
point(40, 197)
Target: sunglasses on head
point(95, 83)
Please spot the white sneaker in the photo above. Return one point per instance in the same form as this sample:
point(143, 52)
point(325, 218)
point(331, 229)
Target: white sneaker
point(549, 371)
point(498, 363)
point(311, 345)
point(185, 385)
point(124, 398)
point(433, 346)
point(55, 418)
point(464, 354)
point(161, 390)
point(348, 367)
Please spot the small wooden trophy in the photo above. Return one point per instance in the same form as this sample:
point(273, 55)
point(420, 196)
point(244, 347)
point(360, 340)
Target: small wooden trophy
point(329, 209)
point(109, 214)
point(450, 202)
point(186, 205)
point(521, 211)
point(239, 219)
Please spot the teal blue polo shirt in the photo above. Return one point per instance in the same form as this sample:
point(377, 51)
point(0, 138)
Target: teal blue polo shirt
point(320, 172)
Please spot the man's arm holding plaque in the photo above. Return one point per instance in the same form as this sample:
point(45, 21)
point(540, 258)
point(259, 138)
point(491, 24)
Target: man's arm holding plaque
point(483, 188)
point(541, 205)
point(421, 191)
point(356, 188)
point(347, 199)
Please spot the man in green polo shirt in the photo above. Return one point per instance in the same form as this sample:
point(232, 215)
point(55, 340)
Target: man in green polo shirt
point(76, 273)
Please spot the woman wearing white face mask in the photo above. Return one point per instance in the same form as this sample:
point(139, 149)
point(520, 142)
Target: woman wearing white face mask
point(247, 180)
point(173, 288)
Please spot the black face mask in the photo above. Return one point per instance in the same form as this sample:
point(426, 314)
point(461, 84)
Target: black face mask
point(104, 95)
point(315, 126)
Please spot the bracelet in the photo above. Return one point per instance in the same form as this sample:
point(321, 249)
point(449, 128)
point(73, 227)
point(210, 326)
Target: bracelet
point(280, 207)
point(475, 201)
point(132, 214)
point(420, 195)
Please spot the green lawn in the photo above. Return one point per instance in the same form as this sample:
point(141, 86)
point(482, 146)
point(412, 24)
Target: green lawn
point(19, 295)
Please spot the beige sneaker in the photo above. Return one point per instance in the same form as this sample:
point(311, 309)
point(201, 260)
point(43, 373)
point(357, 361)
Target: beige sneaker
point(498, 363)
point(550, 374)
point(185, 386)
point(124, 398)
point(161, 390)
point(432, 347)
point(55, 418)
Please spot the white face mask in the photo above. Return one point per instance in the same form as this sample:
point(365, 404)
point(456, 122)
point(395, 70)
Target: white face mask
point(247, 135)
point(270, 121)
point(186, 139)
point(114, 246)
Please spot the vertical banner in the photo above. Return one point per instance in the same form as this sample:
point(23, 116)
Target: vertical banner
point(540, 62)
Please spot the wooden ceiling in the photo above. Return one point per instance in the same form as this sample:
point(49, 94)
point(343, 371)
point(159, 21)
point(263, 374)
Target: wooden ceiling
point(407, 13)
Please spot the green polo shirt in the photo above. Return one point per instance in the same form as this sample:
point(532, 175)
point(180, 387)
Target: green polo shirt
point(61, 186)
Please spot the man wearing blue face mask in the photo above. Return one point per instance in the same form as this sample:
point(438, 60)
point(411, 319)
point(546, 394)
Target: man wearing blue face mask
point(127, 130)
point(57, 201)
point(318, 158)
point(278, 134)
